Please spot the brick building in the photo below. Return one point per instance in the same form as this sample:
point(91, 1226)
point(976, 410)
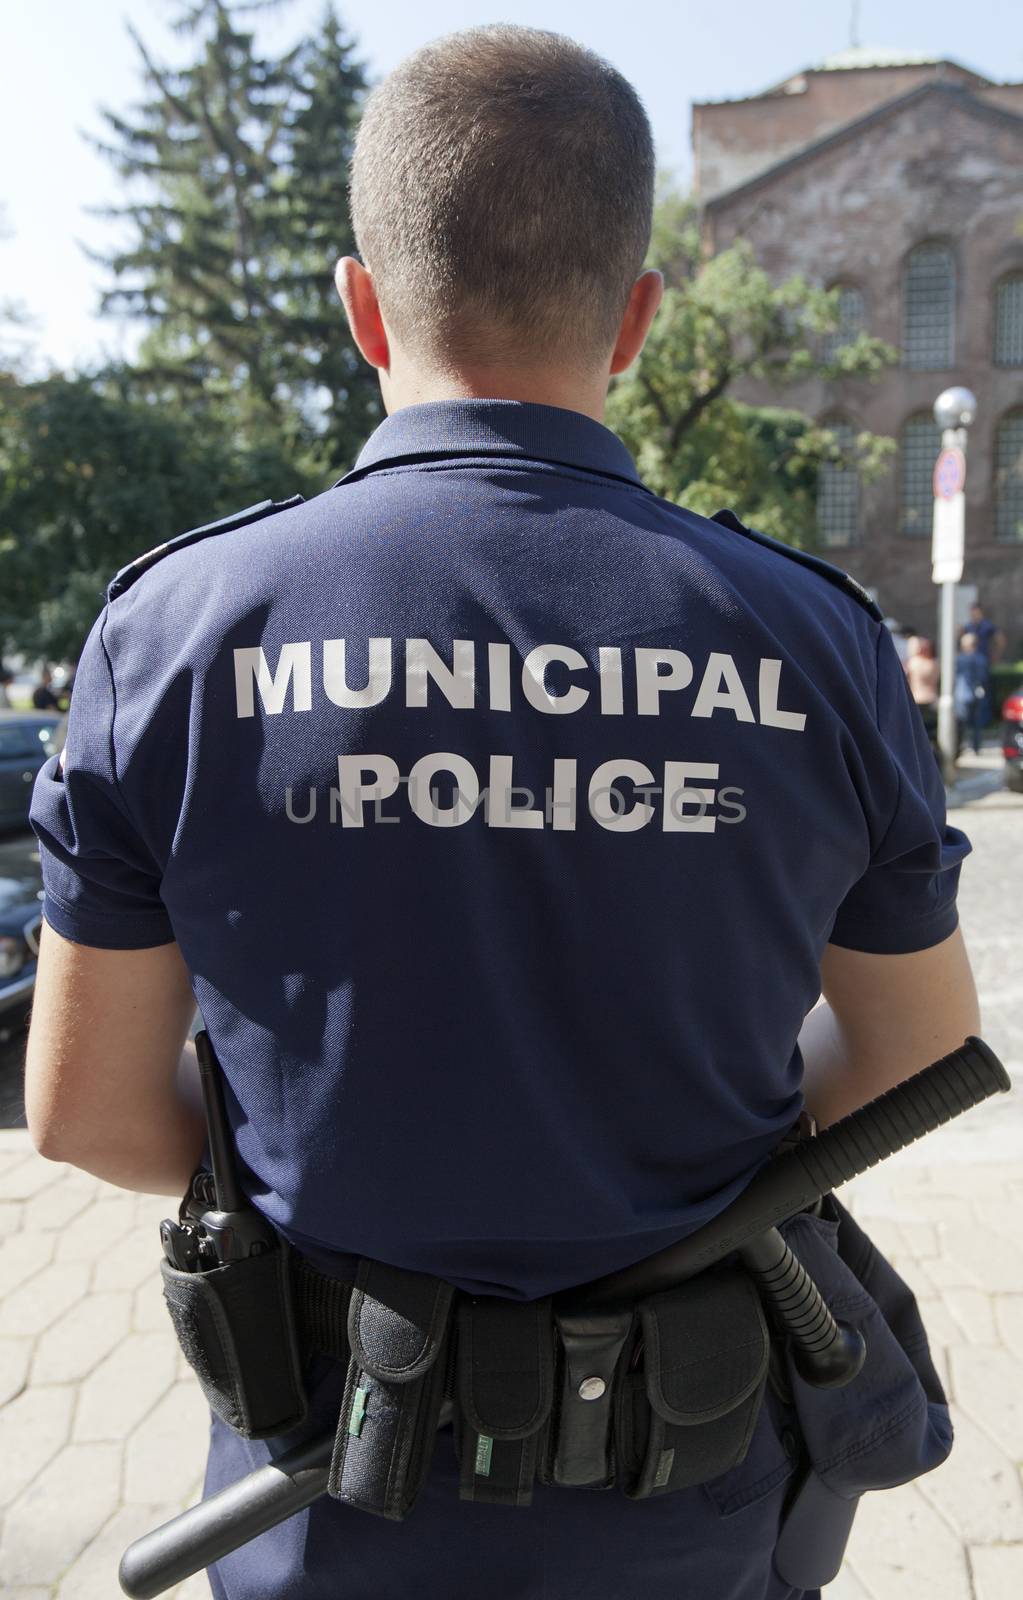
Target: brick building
point(900, 180)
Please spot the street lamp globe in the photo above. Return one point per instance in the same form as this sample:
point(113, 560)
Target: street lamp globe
point(955, 408)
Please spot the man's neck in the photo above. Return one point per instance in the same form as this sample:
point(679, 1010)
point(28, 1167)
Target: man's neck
point(569, 392)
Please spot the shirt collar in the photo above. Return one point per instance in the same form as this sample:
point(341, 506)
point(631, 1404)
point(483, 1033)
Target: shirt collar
point(441, 430)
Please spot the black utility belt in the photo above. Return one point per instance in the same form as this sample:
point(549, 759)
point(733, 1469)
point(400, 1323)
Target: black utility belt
point(650, 1397)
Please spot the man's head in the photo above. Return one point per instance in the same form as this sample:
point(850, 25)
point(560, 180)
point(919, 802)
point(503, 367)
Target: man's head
point(502, 191)
point(977, 611)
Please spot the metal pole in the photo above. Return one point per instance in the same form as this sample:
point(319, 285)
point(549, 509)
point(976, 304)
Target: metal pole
point(948, 737)
point(954, 410)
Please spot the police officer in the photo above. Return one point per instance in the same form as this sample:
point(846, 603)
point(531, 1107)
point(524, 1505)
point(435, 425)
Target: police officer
point(504, 821)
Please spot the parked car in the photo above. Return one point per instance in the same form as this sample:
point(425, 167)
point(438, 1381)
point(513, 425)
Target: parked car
point(24, 746)
point(1012, 740)
point(21, 911)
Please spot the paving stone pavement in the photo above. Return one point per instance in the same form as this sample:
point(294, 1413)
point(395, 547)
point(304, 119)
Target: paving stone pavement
point(103, 1429)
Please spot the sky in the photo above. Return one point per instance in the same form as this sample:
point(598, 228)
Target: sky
point(64, 58)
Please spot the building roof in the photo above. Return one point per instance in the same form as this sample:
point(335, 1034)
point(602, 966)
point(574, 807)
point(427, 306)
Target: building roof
point(868, 58)
point(962, 95)
point(863, 56)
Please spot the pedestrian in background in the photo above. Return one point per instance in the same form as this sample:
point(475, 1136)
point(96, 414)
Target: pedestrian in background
point(970, 692)
point(990, 639)
point(900, 637)
point(43, 697)
point(990, 645)
point(923, 673)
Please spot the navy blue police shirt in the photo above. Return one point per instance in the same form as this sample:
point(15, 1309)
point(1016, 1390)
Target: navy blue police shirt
point(502, 812)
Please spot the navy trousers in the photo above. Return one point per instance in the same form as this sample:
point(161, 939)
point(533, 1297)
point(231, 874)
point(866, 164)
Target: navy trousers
point(710, 1543)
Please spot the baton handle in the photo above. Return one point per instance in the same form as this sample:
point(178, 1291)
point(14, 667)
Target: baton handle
point(797, 1179)
point(235, 1514)
point(827, 1354)
point(906, 1113)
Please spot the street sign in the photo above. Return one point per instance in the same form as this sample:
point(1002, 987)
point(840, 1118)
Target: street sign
point(947, 539)
point(949, 474)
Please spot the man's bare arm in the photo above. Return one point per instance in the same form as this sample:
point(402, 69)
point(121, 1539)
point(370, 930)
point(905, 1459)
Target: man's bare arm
point(109, 1084)
point(882, 1019)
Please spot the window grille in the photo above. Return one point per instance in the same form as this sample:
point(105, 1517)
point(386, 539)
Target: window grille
point(1009, 322)
point(921, 442)
point(838, 494)
point(928, 340)
point(1009, 478)
point(852, 318)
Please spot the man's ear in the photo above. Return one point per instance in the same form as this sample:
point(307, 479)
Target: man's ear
point(644, 299)
point(359, 297)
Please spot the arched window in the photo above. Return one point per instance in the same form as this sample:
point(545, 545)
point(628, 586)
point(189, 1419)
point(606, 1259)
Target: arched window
point(1009, 321)
point(1009, 477)
point(838, 493)
point(852, 319)
point(928, 312)
point(921, 441)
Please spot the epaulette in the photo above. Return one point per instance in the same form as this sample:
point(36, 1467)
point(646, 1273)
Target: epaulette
point(128, 575)
point(824, 569)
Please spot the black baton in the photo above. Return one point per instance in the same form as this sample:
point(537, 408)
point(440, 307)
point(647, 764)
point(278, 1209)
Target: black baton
point(786, 1185)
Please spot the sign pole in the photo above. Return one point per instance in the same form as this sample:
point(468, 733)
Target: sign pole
point(948, 733)
point(954, 410)
point(947, 569)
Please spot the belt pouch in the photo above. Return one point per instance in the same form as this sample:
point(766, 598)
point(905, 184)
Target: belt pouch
point(397, 1330)
point(688, 1414)
point(505, 1383)
point(236, 1326)
point(590, 1345)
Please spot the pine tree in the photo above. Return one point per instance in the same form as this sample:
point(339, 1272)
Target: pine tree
point(323, 133)
point(236, 167)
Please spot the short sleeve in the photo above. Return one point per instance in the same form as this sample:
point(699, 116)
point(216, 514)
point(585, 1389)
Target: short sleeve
point(102, 886)
point(906, 899)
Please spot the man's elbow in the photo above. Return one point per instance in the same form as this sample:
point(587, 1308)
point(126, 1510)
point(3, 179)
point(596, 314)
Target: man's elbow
point(48, 1138)
point(61, 1135)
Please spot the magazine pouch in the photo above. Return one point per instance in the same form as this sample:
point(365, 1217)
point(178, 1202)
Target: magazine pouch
point(689, 1404)
point(591, 1344)
point(398, 1332)
point(504, 1390)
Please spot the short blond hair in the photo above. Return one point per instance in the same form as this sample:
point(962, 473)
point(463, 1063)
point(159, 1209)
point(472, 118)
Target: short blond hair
point(502, 193)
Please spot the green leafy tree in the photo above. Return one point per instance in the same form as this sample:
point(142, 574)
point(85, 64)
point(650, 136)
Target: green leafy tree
point(236, 167)
point(723, 321)
point(91, 475)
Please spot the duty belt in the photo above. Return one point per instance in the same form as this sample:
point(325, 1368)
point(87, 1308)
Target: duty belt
point(650, 1379)
point(652, 1396)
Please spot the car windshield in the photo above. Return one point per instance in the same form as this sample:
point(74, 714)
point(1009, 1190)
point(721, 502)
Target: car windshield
point(20, 739)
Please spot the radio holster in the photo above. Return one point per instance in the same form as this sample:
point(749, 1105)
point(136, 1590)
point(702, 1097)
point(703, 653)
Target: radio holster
point(236, 1321)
